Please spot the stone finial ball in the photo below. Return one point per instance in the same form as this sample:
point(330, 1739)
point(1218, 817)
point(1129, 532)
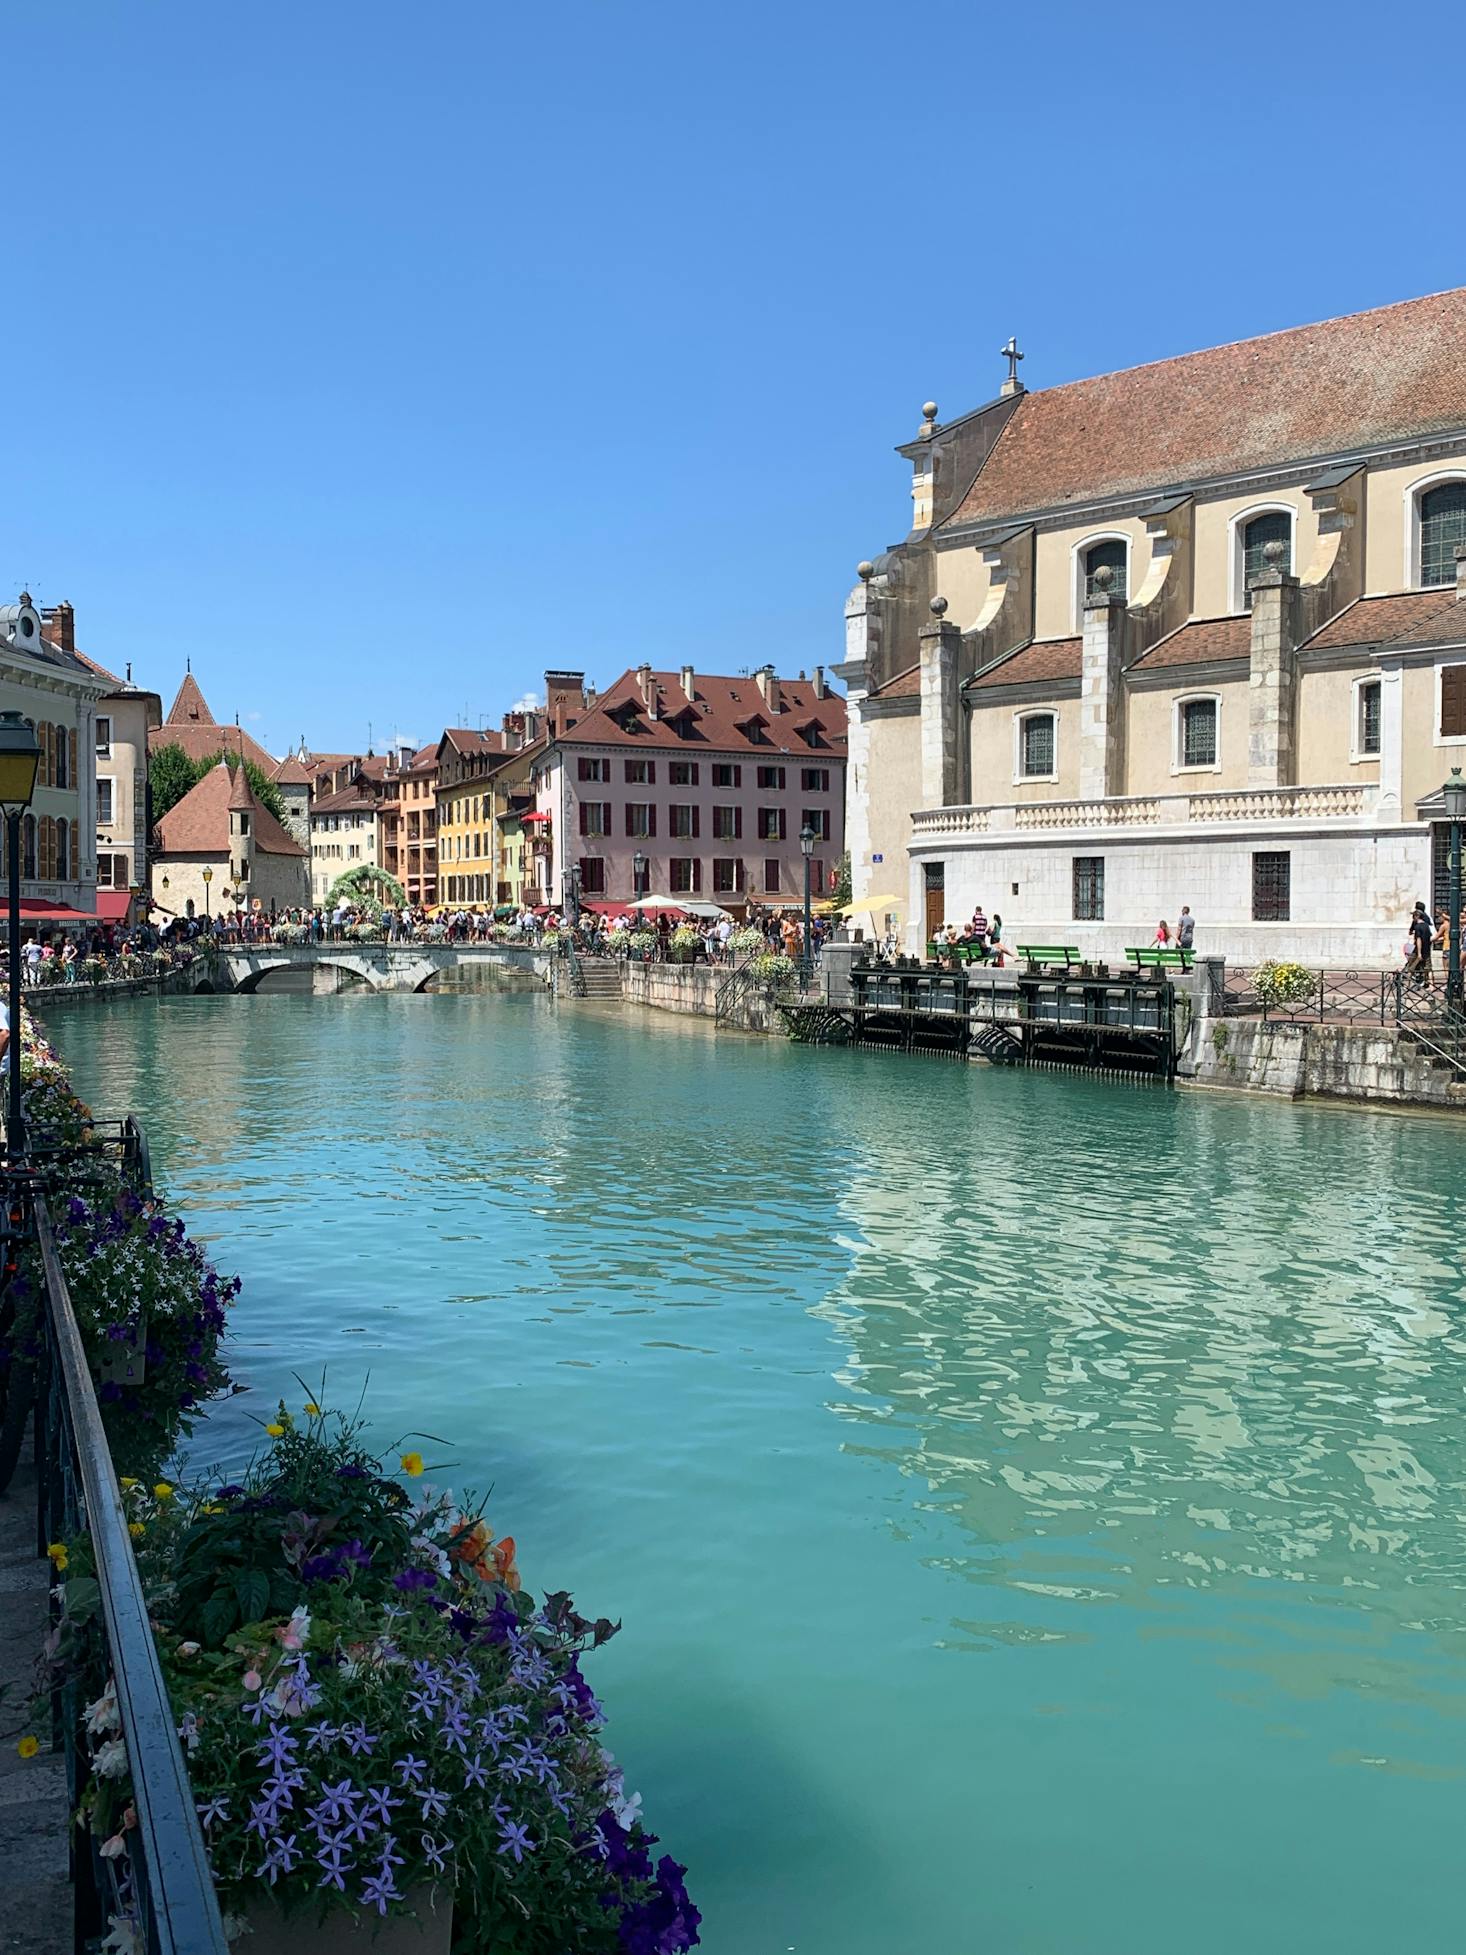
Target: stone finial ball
point(865, 570)
point(929, 409)
point(1273, 553)
point(1103, 578)
point(939, 607)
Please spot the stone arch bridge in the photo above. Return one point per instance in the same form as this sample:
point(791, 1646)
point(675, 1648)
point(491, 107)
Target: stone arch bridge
point(382, 967)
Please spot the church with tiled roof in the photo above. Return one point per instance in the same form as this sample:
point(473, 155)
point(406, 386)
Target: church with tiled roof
point(1193, 632)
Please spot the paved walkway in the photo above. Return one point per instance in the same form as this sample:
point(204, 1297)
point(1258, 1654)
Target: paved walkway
point(36, 1916)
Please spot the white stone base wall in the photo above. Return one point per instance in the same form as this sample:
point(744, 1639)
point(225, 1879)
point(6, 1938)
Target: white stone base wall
point(1351, 897)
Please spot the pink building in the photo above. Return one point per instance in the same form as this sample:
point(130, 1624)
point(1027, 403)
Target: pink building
point(677, 784)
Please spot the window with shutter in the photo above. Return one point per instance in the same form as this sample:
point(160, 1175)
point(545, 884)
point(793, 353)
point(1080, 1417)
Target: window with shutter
point(1453, 702)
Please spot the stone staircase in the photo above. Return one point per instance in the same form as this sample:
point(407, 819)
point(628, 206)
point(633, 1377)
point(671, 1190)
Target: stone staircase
point(33, 1828)
point(601, 977)
point(1443, 1043)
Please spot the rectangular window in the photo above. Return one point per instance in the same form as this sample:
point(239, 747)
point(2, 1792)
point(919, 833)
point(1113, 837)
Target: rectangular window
point(727, 824)
point(1453, 701)
point(590, 769)
point(771, 874)
point(592, 876)
point(819, 820)
point(686, 873)
point(1369, 706)
point(641, 773)
point(104, 800)
point(1089, 889)
point(104, 737)
point(773, 825)
point(1037, 750)
point(726, 774)
point(771, 777)
point(595, 817)
point(684, 820)
point(727, 876)
point(1272, 892)
point(815, 780)
point(641, 819)
point(682, 773)
point(1199, 733)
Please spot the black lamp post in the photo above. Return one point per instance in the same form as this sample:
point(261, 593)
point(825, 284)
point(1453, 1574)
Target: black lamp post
point(208, 878)
point(806, 845)
point(1454, 796)
point(20, 756)
point(638, 870)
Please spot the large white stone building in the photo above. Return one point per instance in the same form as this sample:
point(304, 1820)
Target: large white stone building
point(1189, 633)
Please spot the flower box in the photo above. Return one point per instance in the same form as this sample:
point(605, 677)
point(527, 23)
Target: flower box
point(427, 1930)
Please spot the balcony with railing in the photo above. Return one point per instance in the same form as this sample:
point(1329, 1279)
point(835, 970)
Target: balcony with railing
point(1263, 807)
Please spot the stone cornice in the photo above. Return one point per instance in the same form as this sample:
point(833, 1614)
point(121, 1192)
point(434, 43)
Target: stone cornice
point(907, 705)
point(1158, 678)
point(1033, 692)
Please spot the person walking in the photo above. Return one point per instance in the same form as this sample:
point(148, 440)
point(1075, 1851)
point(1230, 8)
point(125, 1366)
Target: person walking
point(1422, 935)
point(1185, 928)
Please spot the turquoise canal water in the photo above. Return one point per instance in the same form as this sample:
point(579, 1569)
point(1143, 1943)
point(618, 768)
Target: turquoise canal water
point(1035, 1506)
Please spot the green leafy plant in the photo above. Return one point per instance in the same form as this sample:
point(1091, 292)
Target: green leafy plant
point(1282, 986)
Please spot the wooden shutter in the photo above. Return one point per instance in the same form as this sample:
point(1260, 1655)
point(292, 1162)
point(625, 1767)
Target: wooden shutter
point(651, 818)
point(783, 825)
point(1453, 700)
point(71, 749)
point(696, 874)
point(737, 775)
point(738, 826)
point(607, 825)
point(629, 829)
point(585, 818)
point(696, 821)
point(651, 773)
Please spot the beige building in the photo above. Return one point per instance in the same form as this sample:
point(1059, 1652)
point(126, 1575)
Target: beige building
point(343, 834)
point(220, 827)
point(1183, 634)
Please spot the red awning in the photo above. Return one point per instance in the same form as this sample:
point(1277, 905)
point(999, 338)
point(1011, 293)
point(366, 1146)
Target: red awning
point(608, 909)
point(534, 815)
point(57, 912)
point(113, 905)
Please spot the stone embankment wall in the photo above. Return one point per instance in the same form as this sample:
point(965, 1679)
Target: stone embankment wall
point(1345, 1062)
point(693, 988)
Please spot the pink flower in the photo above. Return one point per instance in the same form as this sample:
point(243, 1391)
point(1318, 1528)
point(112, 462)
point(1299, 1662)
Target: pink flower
point(110, 1849)
point(292, 1635)
point(252, 1680)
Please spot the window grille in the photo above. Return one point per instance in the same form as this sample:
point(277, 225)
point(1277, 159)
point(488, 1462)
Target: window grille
point(1199, 733)
point(1089, 889)
point(1272, 878)
point(1038, 745)
point(1442, 531)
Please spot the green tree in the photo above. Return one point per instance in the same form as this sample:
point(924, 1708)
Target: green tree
point(841, 893)
point(170, 775)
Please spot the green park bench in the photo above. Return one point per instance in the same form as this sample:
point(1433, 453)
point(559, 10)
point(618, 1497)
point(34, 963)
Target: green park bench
point(1065, 954)
point(1156, 959)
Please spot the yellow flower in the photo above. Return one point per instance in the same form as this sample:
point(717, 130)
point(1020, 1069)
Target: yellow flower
point(162, 1491)
point(136, 1530)
point(275, 1431)
point(58, 1555)
point(127, 1482)
point(211, 1507)
point(313, 1411)
point(28, 1746)
point(412, 1465)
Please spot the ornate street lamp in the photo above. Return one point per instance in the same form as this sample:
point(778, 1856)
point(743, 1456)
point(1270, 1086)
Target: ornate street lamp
point(806, 847)
point(208, 878)
point(20, 756)
point(638, 870)
point(1454, 796)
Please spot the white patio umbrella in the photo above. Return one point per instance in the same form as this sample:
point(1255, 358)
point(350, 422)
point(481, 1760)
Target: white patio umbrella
point(657, 903)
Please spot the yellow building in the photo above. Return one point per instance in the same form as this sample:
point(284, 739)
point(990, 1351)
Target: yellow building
point(1187, 633)
point(483, 794)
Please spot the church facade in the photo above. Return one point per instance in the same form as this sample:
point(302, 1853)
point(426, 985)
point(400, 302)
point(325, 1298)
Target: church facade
point(1190, 633)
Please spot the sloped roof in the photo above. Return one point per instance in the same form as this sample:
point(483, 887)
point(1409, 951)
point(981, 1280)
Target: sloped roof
point(1201, 641)
point(1333, 388)
point(718, 714)
point(190, 705)
point(1444, 627)
point(200, 740)
point(289, 772)
point(346, 800)
point(1377, 620)
point(199, 823)
point(903, 685)
point(1049, 658)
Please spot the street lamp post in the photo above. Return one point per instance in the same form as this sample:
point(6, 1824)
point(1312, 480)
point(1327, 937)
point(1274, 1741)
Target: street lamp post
point(638, 870)
point(1454, 796)
point(20, 756)
point(208, 878)
point(806, 847)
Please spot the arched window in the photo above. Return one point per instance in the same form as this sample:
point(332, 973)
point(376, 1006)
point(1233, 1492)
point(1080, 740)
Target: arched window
point(63, 857)
point(1442, 532)
point(28, 848)
point(1113, 554)
point(1273, 526)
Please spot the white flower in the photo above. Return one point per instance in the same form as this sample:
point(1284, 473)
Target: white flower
point(110, 1761)
point(110, 1849)
point(627, 1812)
point(102, 1716)
point(122, 1936)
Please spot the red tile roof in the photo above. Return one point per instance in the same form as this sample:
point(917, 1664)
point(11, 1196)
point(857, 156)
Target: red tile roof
point(1444, 627)
point(1201, 641)
point(905, 685)
point(290, 773)
point(1050, 658)
point(190, 705)
point(717, 717)
point(1328, 389)
point(199, 823)
point(344, 801)
point(1376, 620)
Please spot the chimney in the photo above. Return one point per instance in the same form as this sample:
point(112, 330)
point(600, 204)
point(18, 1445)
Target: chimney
point(819, 682)
point(60, 622)
point(644, 681)
point(765, 678)
point(687, 683)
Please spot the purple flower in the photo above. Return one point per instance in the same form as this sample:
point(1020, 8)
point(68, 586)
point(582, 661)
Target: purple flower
point(280, 1859)
point(378, 1889)
point(412, 1578)
point(338, 1802)
point(279, 1748)
point(434, 1853)
point(434, 1802)
point(411, 1768)
point(473, 1771)
point(380, 1804)
point(334, 1863)
point(359, 1739)
point(320, 1736)
point(516, 1840)
point(213, 1810)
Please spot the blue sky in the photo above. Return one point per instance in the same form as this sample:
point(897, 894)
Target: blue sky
point(378, 357)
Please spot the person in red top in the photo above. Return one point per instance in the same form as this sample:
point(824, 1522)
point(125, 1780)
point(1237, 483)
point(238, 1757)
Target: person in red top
point(1162, 935)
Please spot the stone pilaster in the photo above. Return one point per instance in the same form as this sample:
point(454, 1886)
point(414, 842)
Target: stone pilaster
point(940, 648)
point(1101, 697)
point(1272, 697)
